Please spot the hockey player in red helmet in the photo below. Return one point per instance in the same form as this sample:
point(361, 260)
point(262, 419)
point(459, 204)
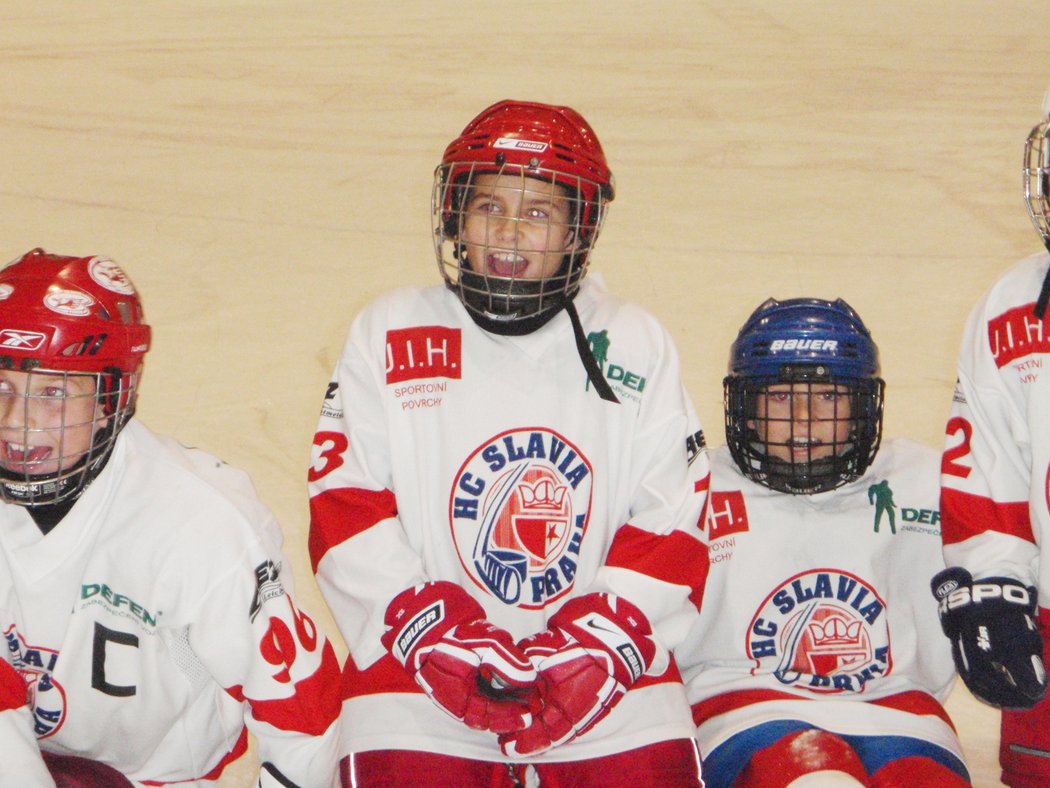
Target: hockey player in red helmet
point(519, 200)
point(141, 596)
point(506, 482)
point(71, 347)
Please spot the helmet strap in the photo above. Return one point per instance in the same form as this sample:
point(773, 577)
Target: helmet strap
point(583, 347)
point(1044, 292)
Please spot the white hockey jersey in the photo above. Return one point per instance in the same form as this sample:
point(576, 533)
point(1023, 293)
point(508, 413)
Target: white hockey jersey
point(445, 452)
point(21, 763)
point(818, 607)
point(996, 466)
point(150, 625)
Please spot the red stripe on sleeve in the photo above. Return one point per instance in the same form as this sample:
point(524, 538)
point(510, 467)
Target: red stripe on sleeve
point(964, 515)
point(313, 707)
point(337, 515)
point(673, 558)
point(703, 486)
point(12, 688)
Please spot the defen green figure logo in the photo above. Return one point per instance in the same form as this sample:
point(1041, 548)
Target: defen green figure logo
point(600, 342)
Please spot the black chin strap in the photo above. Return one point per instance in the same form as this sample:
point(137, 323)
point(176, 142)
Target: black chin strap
point(1044, 292)
point(594, 373)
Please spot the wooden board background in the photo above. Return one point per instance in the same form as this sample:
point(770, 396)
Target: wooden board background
point(262, 169)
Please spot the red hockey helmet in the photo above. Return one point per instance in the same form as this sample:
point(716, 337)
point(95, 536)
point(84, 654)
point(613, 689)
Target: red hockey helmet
point(76, 314)
point(536, 137)
point(61, 317)
point(542, 142)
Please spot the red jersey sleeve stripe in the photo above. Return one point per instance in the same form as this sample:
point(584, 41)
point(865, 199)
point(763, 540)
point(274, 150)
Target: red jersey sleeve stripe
point(12, 688)
point(337, 515)
point(675, 558)
point(312, 708)
point(964, 515)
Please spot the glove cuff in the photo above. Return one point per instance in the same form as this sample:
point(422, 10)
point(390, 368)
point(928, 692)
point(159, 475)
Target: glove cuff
point(611, 624)
point(418, 617)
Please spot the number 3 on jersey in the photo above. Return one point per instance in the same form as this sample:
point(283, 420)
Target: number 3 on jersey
point(332, 445)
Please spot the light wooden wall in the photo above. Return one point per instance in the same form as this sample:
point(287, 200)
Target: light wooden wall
point(262, 169)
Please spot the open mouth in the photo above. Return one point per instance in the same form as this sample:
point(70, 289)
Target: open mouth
point(803, 449)
point(21, 456)
point(505, 264)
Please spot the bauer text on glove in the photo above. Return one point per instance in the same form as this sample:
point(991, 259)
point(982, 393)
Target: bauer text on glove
point(439, 633)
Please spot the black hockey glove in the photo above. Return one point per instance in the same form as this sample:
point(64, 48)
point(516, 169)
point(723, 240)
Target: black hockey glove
point(996, 644)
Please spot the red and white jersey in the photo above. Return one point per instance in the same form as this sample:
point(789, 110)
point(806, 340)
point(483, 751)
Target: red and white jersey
point(448, 453)
point(996, 466)
point(151, 625)
point(819, 606)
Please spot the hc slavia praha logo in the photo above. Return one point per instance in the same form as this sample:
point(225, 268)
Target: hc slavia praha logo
point(45, 697)
point(518, 510)
point(822, 630)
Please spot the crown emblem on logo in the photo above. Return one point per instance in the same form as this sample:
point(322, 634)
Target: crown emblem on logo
point(543, 495)
point(835, 632)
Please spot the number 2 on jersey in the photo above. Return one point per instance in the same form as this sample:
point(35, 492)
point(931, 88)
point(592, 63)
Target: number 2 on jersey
point(949, 464)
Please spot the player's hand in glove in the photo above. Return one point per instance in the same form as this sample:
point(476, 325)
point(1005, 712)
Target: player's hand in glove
point(596, 647)
point(996, 644)
point(439, 633)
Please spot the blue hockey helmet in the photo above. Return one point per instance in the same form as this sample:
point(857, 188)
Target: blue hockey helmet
point(814, 347)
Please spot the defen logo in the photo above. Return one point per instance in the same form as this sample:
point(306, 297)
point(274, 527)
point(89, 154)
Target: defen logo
point(13, 339)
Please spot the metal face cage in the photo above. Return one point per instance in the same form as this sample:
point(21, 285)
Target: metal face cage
point(494, 227)
point(803, 434)
point(57, 428)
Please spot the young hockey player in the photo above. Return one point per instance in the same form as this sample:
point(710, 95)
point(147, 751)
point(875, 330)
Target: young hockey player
point(505, 492)
point(818, 659)
point(995, 493)
point(141, 596)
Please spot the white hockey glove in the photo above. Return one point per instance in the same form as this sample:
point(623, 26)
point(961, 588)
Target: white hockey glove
point(996, 644)
point(439, 633)
point(595, 648)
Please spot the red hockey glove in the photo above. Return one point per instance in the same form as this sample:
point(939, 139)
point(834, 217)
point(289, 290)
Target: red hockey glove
point(439, 633)
point(995, 641)
point(597, 646)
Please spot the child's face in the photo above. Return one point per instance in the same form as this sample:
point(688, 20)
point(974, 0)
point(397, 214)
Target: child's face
point(47, 420)
point(516, 227)
point(803, 422)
